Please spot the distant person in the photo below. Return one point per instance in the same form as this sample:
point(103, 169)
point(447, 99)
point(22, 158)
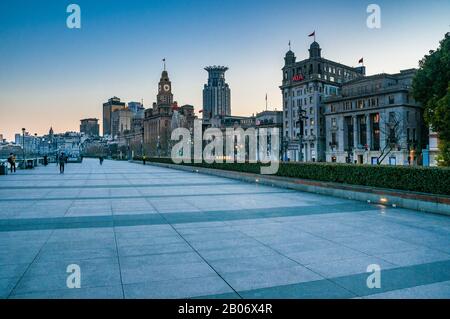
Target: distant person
point(62, 162)
point(101, 160)
point(144, 158)
point(12, 162)
point(45, 160)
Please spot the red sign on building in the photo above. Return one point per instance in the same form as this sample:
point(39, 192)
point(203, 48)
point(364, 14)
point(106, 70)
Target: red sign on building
point(297, 77)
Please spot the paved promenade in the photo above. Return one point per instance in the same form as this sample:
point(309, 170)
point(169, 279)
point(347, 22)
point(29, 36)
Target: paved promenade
point(148, 232)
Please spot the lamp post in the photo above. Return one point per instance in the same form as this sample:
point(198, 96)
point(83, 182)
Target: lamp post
point(23, 146)
point(301, 118)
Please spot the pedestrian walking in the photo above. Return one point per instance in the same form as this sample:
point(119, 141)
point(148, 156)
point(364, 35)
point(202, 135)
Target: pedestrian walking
point(12, 162)
point(62, 162)
point(101, 160)
point(144, 158)
point(45, 160)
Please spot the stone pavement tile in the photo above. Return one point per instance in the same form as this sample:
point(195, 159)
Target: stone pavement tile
point(161, 259)
point(324, 255)
point(134, 271)
point(229, 295)
point(49, 254)
point(149, 232)
point(248, 280)
point(149, 240)
point(139, 250)
point(12, 270)
point(286, 248)
point(43, 276)
point(236, 252)
point(251, 263)
point(142, 229)
point(107, 292)
point(380, 245)
point(80, 211)
point(81, 244)
point(348, 266)
point(224, 243)
point(414, 257)
point(397, 278)
point(320, 289)
point(182, 288)
point(204, 230)
point(288, 237)
point(210, 236)
point(202, 225)
point(7, 285)
point(23, 256)
point(440, 290)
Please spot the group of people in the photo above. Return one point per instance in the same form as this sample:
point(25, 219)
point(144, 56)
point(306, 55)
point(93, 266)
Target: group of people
point(61, 161)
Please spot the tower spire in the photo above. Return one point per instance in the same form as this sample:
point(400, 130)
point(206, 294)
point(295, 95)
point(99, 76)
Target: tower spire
point(164, 62)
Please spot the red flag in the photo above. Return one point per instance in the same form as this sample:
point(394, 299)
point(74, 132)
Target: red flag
point(312, 34)
point(361, 60)
point(201, 111)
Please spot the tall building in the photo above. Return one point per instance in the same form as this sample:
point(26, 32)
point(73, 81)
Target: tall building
point(135, 107)
point(120, 122)
point(165, 96)
point(109, 107)
point(375, 119)
point(158, 119)
point(216, 94)
point(304, 86)
point(89, 127)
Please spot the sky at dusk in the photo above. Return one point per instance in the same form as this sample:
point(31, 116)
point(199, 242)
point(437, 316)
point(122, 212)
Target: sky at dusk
point(51, 75)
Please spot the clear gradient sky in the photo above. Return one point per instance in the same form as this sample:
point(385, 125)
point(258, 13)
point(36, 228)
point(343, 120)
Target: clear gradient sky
point(54, 76)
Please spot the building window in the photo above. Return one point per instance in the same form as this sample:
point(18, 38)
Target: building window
point(375, 118)
point(349, 129)
point(333, 139)
point(391, 99)
point(333, 122)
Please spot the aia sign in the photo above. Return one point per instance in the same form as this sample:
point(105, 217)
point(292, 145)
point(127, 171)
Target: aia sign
point(297, 77)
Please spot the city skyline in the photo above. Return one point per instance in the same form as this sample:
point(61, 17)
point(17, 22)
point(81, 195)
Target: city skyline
point(55, 76)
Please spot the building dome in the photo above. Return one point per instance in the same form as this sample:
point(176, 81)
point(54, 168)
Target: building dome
point(314, 50)
point(289, 58)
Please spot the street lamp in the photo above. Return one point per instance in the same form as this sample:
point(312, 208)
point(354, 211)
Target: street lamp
point(23, 146)
point(301, 118)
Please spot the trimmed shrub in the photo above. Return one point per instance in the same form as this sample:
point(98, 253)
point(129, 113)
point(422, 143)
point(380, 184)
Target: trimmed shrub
point(432, 180)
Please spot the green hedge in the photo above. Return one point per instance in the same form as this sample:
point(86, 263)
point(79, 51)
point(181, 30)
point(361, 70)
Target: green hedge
point(431, 180)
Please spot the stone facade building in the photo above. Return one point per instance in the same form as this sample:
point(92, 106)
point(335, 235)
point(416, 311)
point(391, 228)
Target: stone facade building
point(109, 107)
point(158, 119)
point(121, 122)
point(305, 85)
point(89, 127)
point(375, 119)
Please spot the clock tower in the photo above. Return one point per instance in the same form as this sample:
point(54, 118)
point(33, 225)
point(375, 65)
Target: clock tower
point(165, 96)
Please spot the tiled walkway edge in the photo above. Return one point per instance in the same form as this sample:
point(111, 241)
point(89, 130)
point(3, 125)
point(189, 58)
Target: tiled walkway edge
point(411, 200)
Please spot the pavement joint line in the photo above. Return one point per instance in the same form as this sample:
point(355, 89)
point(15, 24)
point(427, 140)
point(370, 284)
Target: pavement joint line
point(117, 252)
point(115, 186)
point(18, 224)
point(146, 196)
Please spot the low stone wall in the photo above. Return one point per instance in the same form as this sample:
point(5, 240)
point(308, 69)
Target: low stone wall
point(411, 200)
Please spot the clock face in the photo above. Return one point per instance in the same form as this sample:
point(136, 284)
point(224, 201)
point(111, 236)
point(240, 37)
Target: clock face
point(166, 87)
